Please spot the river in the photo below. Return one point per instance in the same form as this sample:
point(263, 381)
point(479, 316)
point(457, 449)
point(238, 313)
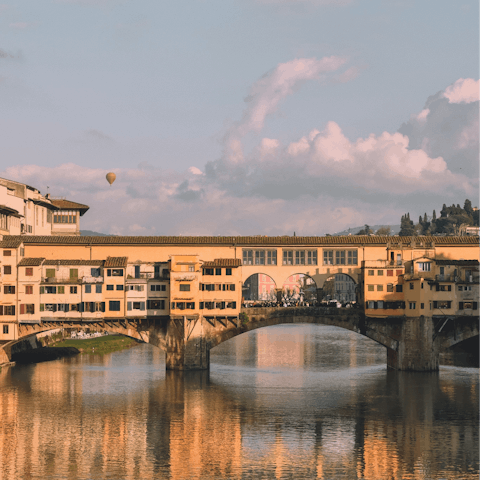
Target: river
point(283, 402)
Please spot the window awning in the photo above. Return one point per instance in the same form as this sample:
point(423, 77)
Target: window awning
point(9, 211)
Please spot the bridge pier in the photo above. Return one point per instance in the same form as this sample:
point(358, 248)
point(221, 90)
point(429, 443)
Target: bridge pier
point(186, 345)
point(417, 351)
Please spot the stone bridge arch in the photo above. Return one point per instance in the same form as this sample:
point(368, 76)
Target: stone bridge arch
point(298, 282)
point(144, 331)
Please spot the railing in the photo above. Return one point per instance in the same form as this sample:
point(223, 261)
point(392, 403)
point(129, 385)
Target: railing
point(446, 278)
point(73, 280)
point(140, 276)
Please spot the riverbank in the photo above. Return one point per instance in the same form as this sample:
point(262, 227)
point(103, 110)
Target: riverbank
point(70, 347)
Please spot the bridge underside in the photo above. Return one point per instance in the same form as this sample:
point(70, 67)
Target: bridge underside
point(412, 343)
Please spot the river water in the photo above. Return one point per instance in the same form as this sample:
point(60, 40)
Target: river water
point(283, 402)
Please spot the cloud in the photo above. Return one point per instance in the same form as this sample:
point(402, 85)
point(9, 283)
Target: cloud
point(464, 90)
point(21, 25)
point(319, 183)
point(448, 127)
point(267, 92)
point(4, 54)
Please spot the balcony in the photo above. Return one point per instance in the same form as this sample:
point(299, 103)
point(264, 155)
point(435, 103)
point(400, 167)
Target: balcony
point(141, 276)
point(71, 280)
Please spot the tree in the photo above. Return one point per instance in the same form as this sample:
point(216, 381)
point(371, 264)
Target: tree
point(384, 231)
point(406, 226)
point(365, 231)
point(434, 216)
point(467, 206)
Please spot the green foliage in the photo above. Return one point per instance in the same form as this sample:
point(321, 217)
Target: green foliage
point(243, 318)
point(365, 231)
point(451, 218)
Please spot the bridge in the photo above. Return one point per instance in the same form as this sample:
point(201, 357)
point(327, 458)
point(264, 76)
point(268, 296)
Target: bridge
point(412, 343)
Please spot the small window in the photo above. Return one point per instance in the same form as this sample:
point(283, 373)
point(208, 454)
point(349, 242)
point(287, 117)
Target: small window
point(191, 268)
point(73, 289)
point(389, 273)
point(371, 273)
point(7, 253)
point(399, 288)
point(184, 287)
point(218, 271)
point(109, 287)
point(119, 287)
point(371, 288)
point(411, 285)
point(412, 305)
point(29, 289)
point(7, 270)
point(380, 304)
point(98, 289)
point(390, 287)
point(398, 272)
point(380, 273)
point(9, 289)
point(88, 289)
point(29, 272)
point(422, 306)
point(379, 288)
point(228, 271)
point(424, 266)
point(5, 329)
point(114, 305)
point(50, 273)
point(208, 271)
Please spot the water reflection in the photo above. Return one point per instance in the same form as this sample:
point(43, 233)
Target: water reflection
point(283, 402)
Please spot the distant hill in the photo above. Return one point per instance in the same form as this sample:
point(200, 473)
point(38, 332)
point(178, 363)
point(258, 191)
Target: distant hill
point(89, 233)
point(354, 230)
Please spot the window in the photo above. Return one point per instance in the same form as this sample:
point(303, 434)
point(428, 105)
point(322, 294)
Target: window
point(247, 257)
point(8, 289)
point(422, 306)
point(5, 329)
point(328, 257)
point(443, 288)
point(424, 266)
point(29, 289)
point(119, 287)
point(271, 258)
point(352, 258)
point(380, 273)
point(208, 271)
point(288, 257)
point(379, 288)
point(191, 268)
point(411, 285)
point(371, 273)
point(115, 272)
point(218, 271)
point(398, 272)
point(88, 289)
point(95, 272)
point(228, 271)
point(399, 288)
point(73, 273)
point(114, 305)
point(98, 289)
point(135, 305)
point(28, 308)
point(380, 304)
point(190, 305)
point(29, 271)
point(390, 287)
point(412, 305)
point(7, 270)
point(156, 304)
point(299, 257)
point(184, 287)
point(231, 304)
point(371, 288)
point(158, 288)
point(7, 253)
point(399, 258)
point(370, 304)
point(137, 271)
point(421, 285)
point(49, 290)
point(73, 289)
point(442, 304)
point(389, 273)
point(50, 273)
point(340, 257)
point(259, 257)
point(109, 287)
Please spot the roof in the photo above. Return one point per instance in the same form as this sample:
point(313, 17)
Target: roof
point(116, 262)
point(260, 241)
point(31, 262)
point(223, 262)
point(11, 241)
point(96, 263)
point(10, 211)
point(460, 263)
point(69, 205)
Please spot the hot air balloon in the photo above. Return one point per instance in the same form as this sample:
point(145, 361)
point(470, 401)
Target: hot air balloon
point(111, 177)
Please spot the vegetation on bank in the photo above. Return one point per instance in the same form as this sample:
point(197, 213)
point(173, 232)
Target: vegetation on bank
point(99, 345)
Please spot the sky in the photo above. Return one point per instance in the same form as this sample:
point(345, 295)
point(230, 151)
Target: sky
point(242, 117)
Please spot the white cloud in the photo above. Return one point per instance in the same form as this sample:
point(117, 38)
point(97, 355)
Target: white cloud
point(464, 90)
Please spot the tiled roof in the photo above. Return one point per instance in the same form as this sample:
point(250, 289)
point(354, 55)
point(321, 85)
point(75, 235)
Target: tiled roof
point(96, 263)
point(30, 262)
point(223, 262)
point(250, 241)
point(11, 241)
point(460, 263)
point(116, 262)
point(69, 205)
